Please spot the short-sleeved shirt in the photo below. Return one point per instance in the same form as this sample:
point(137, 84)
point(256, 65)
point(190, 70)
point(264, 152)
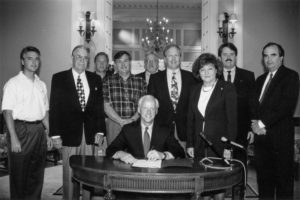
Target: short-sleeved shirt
point(122, 95)
point(27, 99)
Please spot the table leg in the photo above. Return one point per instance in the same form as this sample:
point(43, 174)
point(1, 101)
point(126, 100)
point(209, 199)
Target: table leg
point(76, 190)
point(109, 195)
point(196, 196)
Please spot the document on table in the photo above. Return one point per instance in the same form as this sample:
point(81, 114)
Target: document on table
point(147, 163)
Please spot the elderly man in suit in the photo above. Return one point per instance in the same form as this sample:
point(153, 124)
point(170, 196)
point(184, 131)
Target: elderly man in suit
point(277, 94)
point(145, 138)
point(76, 111)
point(150, 64)
point(172, 88)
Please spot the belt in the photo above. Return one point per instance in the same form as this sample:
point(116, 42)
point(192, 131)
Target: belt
point(29, 122)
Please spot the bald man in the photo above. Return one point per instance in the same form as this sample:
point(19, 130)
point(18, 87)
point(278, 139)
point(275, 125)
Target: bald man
point(145, 138)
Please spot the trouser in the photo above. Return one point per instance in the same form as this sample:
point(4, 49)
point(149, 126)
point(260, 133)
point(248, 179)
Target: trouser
point(113, 130)
point(26, 168)
point(182, 143)
point(274, 172)
point(67, 152)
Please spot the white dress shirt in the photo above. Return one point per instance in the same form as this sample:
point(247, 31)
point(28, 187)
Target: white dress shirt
point(232, 73)
point(178, 79)
point(26, 99)
point(84, 81)
point(260, 123)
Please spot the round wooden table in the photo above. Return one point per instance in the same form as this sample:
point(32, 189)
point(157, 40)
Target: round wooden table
point(114, 175)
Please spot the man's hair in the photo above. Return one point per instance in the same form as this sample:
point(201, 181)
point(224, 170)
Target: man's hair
point(170, 46)
point(101, 54)
point(26, 50)
point(81, 47)
point(230, 46)
point(280, 48)
point(148, 97)
point(119, 54)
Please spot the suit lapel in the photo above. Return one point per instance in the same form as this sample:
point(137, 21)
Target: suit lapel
point(196, 99)
point(213, 98)
point(273, 83)
point(91, 86)
point(166, 88)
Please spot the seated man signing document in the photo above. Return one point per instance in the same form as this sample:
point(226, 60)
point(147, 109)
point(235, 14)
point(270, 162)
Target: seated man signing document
point(145, 139)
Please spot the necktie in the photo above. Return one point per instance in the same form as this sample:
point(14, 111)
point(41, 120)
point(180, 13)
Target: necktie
point(266, 88)
point(228, 76)
point(146, 141)
point(174, 91)
point(80, 92)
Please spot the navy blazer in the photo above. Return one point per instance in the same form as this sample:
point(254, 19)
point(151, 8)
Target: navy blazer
point(220, 118)
point(130, 140)
point(244, 82)
point(66, 117)
point(158, 87)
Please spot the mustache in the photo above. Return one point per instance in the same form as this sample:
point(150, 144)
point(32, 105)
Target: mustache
point(228, 59)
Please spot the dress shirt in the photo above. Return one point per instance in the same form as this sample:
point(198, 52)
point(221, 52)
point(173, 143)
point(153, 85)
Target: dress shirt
point(232, 73)
point(178, 79)
point(260, 123)
point(26, 98)
point(85, 83)
point(147, 76)
point(123, 95)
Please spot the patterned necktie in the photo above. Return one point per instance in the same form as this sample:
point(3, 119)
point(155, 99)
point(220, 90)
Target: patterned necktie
point(266, 88)
point(174, 91)
point(146, 141)
point(228, 76)
point(80, 92)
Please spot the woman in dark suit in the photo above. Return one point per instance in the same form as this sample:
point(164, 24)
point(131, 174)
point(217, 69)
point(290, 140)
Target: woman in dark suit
point(212, 111)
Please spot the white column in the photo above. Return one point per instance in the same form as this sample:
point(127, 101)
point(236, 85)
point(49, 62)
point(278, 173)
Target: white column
point(210, 26)
point(238, 38)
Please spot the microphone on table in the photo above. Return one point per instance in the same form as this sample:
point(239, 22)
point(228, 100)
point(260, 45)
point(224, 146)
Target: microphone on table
point(211, 146)
point(224, 139)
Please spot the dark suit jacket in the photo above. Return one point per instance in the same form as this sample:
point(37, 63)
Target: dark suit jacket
point(130, 140)
point(220, 118)
point(142, 75)
point(158, 87)
point(66, 118)
point(244, 83)
point(277, 109)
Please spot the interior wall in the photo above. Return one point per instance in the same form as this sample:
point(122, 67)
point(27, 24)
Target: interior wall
point(44, 24)
point(271, 20)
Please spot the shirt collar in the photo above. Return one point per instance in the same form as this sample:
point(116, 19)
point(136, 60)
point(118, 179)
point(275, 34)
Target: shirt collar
point(36, 77)
point(76, 74)
point(171, 71)
point(232, 69)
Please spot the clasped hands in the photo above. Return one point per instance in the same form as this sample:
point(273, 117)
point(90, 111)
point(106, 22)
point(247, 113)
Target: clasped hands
point(129, 159)
point(257, 129)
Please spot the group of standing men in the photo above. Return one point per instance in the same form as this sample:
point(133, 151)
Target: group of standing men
point(80, 99)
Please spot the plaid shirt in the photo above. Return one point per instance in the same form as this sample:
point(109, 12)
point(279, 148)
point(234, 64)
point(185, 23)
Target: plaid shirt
point(122, 95)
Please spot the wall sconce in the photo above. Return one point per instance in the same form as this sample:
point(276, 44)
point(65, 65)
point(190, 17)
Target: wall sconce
point(227, 23)
point(88, 21)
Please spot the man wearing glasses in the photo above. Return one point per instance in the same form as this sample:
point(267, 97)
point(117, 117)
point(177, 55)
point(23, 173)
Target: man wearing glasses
point(121, 93)
point(76, 111)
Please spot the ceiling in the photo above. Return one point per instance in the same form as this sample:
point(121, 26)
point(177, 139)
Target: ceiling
point(180, 11)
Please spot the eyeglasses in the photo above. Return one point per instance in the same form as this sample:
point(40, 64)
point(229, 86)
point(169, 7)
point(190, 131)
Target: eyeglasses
point(81, 58)
point(122, 61)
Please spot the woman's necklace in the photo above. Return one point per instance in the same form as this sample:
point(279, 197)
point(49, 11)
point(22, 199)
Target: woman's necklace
point(208, 88)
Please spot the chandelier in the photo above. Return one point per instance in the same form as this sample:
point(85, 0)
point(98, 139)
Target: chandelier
point(157, 34)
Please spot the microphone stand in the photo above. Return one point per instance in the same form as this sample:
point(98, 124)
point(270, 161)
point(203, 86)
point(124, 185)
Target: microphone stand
point(211, 146)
